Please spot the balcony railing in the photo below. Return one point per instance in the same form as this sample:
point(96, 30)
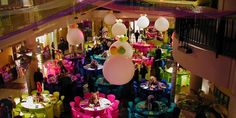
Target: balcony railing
point(213, 33)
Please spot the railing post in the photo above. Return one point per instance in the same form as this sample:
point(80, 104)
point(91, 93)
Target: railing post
point(220, 36)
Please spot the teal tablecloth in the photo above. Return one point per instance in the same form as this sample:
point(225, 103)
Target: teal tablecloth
point(99, 58)
point(140, 108)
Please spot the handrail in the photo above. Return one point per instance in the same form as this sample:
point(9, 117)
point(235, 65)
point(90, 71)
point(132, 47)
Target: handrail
point(216, 34)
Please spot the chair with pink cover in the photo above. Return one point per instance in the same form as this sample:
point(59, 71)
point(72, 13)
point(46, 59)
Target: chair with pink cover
point(78, 114)
point(115, 105)
point(72, 104)
point(111, 97)
point(87, 95)
point(77, 100)
point(102, 95)
point(115, 110)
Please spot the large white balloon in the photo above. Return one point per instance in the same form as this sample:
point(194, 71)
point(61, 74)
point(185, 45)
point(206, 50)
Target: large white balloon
point(161, 24)
point(128, 48)
point(118, 70)
point(110, 19)
point(118, 29)
point(75, 36)
point(143, 22)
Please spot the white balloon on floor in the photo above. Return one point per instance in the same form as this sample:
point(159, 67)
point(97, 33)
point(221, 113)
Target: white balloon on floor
point(75, 36)
point(118, 29)
point(161, 24)
point(110, 19)
point(143, 21)
point(118, 70)
point(127, 50)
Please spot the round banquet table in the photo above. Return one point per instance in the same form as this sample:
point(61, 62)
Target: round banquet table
point(156, 90)
point(87, 67)
point(71, 57)
point(140, 109)
point(28, 103)
point(158, 87)
point(95, 110)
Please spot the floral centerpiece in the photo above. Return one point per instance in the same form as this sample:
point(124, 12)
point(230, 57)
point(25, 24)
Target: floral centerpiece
point(94, 100)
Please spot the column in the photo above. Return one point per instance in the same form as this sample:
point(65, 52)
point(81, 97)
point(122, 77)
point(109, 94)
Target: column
point(33, 65)
point(195, 82)
point(173, 80)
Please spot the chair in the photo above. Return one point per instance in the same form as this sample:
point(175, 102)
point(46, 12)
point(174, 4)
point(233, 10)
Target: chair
point(58, 108)
point(136, 100)
point(16, 112)
point(56, 94)
point(72, 104)
point(111, 97)
point(46, 92)
point(77, 100)
point(115, 105)
point(49, 111)
point(27, 115)
point(24, 95)
point(62, 97)
point(17, 100)
point(102, 95)
point(87, 95)
point(40, 115)
point(34, 92)
point(136, 115)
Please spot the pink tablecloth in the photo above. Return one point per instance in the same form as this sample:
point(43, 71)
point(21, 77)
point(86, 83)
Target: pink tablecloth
point(92, 110)
point(145, 60)
point(143, 47)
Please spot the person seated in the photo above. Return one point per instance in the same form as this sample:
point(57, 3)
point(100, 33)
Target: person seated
point(104, 54)
point(153, 81)
point(94, 99)
point(150, 103)
point(143, 71)
point(94, 64)
point(38, 97)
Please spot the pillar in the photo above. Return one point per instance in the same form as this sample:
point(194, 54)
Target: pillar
point(173, 80)
point(195, 82)
point(33, 65)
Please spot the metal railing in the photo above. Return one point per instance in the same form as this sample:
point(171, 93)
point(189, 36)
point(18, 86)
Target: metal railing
point(213, 33)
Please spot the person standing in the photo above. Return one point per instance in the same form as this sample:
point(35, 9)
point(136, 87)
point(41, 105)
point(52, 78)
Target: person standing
point(136, 34)
point(53, 50)
point(143, 71)
point(1, 80)
point(38, 76)
point(14, 72)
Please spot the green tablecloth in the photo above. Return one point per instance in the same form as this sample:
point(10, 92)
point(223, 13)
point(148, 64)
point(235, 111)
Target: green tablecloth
point(183, 76)
point(140, 108)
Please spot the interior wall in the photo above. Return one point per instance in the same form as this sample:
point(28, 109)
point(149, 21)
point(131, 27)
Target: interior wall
point(5, 56)
point(205, 64)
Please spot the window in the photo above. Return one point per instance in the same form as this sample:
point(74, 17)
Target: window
point(221, 98)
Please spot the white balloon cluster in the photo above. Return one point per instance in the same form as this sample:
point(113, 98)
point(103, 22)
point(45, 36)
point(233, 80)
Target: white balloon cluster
point(118, 28)
point(161, 24)
point(143, 21)
point(75, 36)
point(110, 19)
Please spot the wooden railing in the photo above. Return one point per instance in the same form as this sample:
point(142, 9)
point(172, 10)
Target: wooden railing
point(212, 33)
